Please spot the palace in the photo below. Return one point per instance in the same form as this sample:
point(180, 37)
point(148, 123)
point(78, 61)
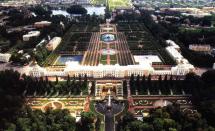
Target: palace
point(108, 55)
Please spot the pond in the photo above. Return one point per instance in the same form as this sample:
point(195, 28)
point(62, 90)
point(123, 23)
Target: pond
point(90, 10)
point(108, 37)
point(60, 12)
point(96, 10)
point(65, 58)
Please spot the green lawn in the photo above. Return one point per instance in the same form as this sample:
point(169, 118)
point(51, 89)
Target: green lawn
point(98, 2)
point(119, 4)
point(113, 57)
point(103, 58)
point(113, 62)
point(103, 62)
point(113, 3)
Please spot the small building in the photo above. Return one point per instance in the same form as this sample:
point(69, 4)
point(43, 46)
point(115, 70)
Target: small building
point(5, 57)
point(26, 56)
point(42, 24)
point(175, 54)
point(53, 43)
point(154, 17)
point(172, 44)
point(20, 52)
point(200, 48)
point(30, 35)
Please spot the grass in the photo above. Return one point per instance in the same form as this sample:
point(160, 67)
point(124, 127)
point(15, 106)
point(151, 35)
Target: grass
point(125, 110)
point(113, 4)
point(103, 58)
point(102, 127)
point(113, 57)
point(92, 109)
point(113, 62)
point(50, 59)
point(103, 62)
point(104, 46)
point(98, 2)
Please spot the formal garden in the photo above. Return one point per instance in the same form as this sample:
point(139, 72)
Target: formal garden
point(142, 42)
point(74, 105)
point(104, 59)
point(74, 43)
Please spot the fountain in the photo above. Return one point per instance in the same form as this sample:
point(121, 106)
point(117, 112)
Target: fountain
point(108, 37)
point(109, 100)
point(109, 109)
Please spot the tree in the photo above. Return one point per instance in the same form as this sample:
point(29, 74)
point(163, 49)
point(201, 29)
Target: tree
point(11, 98)
point(128, 117)
point(98, 124)
point(76, 9)
point(169, 123)
point(68, 81)
point(160, 82)
point(87, 119)
point(143, 84)
point(84, 84)
point(41, 11)
point(149, 83)
point(92, 92)
point(56, 80)
point(125, 90)
point(136, 125)
point(209, 77)
point(158, 124)
point(132, 84)
point(137, 83)
point(147, 127)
